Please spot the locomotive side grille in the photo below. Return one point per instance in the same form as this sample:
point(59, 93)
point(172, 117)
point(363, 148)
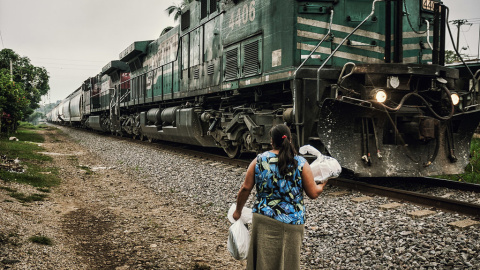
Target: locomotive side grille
point(210, 69)
point(251, 62)
point(196, 74)
point(231, 64)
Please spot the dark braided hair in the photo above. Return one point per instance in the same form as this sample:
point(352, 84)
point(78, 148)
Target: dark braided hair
point(281, 138)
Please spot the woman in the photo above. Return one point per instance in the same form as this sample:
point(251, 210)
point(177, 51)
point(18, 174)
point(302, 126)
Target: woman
point(280, 177)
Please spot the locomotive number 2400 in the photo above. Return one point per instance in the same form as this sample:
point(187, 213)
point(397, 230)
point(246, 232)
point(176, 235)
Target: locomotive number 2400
point(242, 15)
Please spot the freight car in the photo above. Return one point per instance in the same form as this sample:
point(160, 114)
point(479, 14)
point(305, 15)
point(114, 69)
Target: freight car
point(363, 81)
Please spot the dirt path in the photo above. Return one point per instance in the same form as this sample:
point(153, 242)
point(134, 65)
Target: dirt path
point(102, 218)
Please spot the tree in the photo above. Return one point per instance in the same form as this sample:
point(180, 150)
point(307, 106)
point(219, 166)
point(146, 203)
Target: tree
point(33, 80)
point(13, 102)
point(450, 56)
point(177, 9)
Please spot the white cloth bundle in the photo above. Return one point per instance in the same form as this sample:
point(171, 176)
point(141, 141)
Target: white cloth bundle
point(324, 167)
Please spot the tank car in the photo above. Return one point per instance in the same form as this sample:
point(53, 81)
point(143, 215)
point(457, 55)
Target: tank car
point(362, 80)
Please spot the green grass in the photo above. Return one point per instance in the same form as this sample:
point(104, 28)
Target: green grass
point(38, 173)
point(198, 266)
point(8, 189)
point(27, 125)
point(87, 169)
point(26, 199)
point(472, 171)
point(29, 135)
point(22, 150)
point(42, 240)
point(44, 189)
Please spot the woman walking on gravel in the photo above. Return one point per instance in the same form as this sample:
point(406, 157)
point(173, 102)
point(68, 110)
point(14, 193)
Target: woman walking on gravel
point(280, 177)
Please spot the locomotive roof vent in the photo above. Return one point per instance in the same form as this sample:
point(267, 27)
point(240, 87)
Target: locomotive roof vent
point(135, 49)
point(113, 66)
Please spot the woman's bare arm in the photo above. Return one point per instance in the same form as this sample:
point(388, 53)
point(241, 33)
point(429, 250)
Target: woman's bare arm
point(245, 189)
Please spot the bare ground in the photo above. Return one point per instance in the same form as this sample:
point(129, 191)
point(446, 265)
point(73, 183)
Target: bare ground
point(101, 217)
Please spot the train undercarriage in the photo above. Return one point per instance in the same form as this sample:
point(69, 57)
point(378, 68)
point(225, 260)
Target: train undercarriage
point(423, 135)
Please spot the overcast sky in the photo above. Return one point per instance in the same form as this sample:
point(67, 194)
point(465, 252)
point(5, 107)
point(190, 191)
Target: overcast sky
point(73, 40)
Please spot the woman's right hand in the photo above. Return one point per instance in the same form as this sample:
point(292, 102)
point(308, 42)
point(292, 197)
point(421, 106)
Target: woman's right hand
point(237, 215)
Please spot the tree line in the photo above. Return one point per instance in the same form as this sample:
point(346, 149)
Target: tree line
point(21, 87)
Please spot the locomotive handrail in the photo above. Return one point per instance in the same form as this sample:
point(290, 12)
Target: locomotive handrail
point(340, 45)
point(428, 35)
point(341, 78)
point(360, 101)
point(329, 33)
point(124, 95)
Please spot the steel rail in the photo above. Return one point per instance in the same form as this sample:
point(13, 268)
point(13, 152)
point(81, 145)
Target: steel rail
point(413, 197)
point(429, 181)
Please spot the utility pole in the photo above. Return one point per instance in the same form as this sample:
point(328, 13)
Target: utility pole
point(459, 24)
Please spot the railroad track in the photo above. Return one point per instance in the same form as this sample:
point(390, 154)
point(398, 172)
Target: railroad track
point(393, 187)
point(446, 204)
point(374, 185)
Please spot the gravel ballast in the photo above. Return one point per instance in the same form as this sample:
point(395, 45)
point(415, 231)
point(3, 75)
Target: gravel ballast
point(340, 233)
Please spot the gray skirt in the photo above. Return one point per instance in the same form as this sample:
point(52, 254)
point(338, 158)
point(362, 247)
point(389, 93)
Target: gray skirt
point(274, 245)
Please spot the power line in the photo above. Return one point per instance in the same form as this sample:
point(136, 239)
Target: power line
point(72, 68)
point(73, 60)
point(459, 24)
point(67, 64)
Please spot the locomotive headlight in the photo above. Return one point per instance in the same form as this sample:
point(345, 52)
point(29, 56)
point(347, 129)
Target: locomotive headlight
point(380, 95)
point(455, 98)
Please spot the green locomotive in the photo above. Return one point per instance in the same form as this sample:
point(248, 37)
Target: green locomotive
point(361, 80)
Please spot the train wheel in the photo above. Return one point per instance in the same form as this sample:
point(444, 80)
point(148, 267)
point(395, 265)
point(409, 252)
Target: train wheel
point(232, 151)
point(150, 139)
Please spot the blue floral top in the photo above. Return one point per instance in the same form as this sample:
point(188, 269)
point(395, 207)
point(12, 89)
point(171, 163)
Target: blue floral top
point(279, 197)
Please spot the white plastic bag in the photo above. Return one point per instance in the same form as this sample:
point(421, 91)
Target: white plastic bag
point(324, 167)
point(238, 235)
point(238, 240)
point(246, 214)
